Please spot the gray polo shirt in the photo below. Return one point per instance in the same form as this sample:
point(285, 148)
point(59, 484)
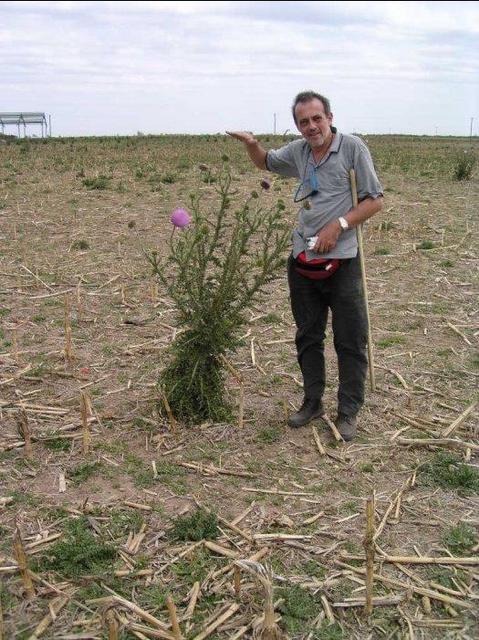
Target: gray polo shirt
point(333, 198)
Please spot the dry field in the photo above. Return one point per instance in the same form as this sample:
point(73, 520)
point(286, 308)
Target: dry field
point(110, 533)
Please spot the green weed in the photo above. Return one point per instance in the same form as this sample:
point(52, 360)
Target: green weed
point(446, 470)
point(78, 553)
point(84, 471)
point(201, 525)
point(460, 539)
point(58, 444)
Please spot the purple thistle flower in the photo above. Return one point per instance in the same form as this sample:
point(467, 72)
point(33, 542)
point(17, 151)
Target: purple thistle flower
point(180, 218)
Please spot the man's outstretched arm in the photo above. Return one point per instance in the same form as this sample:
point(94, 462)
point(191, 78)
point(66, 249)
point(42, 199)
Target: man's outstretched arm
point(255, 151)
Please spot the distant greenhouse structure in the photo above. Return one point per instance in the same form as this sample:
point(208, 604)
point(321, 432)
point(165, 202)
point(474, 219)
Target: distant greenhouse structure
point(26, 118)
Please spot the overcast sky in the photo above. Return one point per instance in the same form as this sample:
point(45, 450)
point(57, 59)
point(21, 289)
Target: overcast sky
point(102, 68)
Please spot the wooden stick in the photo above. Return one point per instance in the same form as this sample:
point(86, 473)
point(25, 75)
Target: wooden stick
point(379, 601)
point(24, 430)
point(327, 609)
point(139, 630)
point(216, 548)
point(68, 331)
point(173, 618)
point(369, 549)
point(434, 595)
point(22, 560)
point(467, 561)
point(132, 607)
point(409, 483)
point(237, 581)
point(193, 600)
point(458, 421)
point(447, 442)
point(318, 442)
point(56, 605)
point(359, 233)
point(459, 333)
point(241, 407)
point(168, 410)
point(2, 628)
point(218, 622)
point(112, 624)
point(332, 426)
point(84, 405)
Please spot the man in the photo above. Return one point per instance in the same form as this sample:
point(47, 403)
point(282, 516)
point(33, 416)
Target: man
point(324, 272)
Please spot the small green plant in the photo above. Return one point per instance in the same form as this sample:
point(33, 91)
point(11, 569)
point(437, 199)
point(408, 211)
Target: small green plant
point(328, 631)
point(298, 607)
point(201, 525)
point(268, 435)
point(168, 178)
point(84, 471)
point(448, 471)
point(387, 225)
point(426, 244)
point(460, 539)
point(389, 342)
point(464, 165)
point(80, 245)
point(79, 553)
point(216, 270)
point(58, 444)
point(100, 183)
point(382, 251)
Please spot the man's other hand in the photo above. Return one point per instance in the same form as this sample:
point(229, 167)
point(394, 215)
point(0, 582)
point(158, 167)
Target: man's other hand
point(328, 237)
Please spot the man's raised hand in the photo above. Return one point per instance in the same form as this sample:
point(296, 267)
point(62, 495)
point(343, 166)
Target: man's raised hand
point(246, 137)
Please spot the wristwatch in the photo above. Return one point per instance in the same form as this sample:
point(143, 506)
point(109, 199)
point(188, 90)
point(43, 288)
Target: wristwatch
point(344, 223)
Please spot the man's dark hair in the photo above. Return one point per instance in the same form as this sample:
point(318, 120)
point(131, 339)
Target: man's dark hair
point(307, 96)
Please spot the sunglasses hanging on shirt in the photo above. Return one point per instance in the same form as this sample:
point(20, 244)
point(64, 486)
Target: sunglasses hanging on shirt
point(309, 186)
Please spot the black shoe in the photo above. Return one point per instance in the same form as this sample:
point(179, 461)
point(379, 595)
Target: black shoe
point(310, 409)
point(347, 426)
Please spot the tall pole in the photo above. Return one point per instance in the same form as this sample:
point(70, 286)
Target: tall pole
point(50, 125)
point(274, 125)
point(470, 132)
point(359, 232)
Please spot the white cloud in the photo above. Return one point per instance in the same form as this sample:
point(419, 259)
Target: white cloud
point(193, 67)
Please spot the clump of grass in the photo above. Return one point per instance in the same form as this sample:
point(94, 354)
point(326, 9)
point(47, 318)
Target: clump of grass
point(382, 251)
point(79, 553)
point(100, 183)
point(426, 244)
point(464, 165)
point(168, 178)
point(386, 225)
point(391, 341)
point(298, 608)
point(201, 525)
point(80, 245)
point(460, 539)
point(84, 471)
point(448, 471)
point(58, 444)
point(268, 435)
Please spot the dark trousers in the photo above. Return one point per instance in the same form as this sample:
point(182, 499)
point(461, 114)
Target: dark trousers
point(310, 300)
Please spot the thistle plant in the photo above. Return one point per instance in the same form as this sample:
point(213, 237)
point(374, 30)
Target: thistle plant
point(216, 270)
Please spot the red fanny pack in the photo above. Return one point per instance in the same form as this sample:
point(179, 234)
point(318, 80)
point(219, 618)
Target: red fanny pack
point(316, 269)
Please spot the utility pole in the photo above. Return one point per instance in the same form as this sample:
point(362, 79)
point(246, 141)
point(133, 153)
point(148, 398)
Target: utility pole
point(50, 125)
point(470, 132)
point(274, 123)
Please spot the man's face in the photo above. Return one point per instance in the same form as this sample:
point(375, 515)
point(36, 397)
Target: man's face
point(313, 123)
